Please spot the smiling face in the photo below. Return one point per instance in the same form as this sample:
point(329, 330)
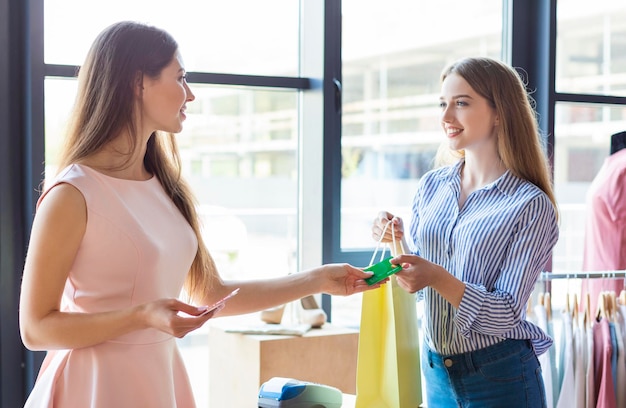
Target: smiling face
point(165, 98)
point(467, 118)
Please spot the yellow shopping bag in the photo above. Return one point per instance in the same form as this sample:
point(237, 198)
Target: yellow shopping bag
point(388, 365)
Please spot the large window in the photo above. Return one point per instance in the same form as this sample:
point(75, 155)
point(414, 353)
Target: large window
point(239, 152)
point(235, 36)
point(240, 143)
point(583, 135)
point(392, 56)
point(591, 48)
point(590, 67)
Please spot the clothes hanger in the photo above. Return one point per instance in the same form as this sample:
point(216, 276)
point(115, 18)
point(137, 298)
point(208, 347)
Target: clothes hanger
point(603, 301)
point(608, 305)
point(567, 308)
point(548, 305)
point(613, 306)
point(622, 295)
point(587, 311)
point(612, 300)
point(575, 311)
point(601, 312)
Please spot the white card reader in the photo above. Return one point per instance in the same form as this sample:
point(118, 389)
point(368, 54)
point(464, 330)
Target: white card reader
point(289, 393)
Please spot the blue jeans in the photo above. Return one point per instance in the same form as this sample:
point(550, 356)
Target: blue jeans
point(506, 374)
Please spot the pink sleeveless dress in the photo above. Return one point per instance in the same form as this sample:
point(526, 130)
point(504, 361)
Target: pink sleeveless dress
point(137, 248)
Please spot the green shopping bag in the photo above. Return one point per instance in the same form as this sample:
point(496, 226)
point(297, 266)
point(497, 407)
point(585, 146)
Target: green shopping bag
point(388, 363)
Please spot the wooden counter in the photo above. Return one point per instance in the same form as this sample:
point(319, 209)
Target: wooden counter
point(240, 363)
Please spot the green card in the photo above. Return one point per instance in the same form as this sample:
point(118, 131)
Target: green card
point(382, 270)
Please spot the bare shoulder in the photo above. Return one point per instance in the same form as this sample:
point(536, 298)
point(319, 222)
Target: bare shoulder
point(63, 203)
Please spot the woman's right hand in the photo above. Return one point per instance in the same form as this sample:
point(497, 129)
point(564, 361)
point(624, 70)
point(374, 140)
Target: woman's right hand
point(175, 317)
point(378, 226)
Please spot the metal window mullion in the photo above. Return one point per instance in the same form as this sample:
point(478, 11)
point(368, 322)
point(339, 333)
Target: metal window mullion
point(263, 81)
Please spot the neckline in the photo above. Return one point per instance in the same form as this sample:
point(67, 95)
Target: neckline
point(491, 184)
point(109, 177)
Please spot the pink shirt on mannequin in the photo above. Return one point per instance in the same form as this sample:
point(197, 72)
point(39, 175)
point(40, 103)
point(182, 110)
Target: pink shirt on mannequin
point(605, 228)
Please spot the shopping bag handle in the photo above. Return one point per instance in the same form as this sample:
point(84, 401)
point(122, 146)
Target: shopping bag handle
point(380, 243)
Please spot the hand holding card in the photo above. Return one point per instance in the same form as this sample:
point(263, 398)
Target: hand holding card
point(382, 270)
point(219, 302)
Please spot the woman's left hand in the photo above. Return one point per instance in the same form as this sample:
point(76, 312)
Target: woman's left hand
point(416, 273)
point(345, 279)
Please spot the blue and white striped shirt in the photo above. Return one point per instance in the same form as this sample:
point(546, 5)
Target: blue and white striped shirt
point(497, 244)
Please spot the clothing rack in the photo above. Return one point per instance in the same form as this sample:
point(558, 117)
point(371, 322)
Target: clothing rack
point(547, 276)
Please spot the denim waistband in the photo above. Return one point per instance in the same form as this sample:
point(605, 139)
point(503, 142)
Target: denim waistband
point(472, 360)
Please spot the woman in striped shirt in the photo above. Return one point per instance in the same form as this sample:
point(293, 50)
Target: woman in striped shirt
point(483, 229)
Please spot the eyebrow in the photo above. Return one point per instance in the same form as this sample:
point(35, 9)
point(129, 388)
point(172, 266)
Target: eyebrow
point(457, 97)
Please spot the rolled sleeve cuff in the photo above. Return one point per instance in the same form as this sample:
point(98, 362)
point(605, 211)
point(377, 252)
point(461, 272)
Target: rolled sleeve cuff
point(470, 306)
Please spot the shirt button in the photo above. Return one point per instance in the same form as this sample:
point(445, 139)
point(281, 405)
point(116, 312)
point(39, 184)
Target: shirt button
point(448, 363)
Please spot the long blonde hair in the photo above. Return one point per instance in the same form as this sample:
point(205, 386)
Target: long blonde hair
point(519, 143)
point(104, 108)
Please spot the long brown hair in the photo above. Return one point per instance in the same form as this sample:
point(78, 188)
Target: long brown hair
point(519, 143)
point(104, 107)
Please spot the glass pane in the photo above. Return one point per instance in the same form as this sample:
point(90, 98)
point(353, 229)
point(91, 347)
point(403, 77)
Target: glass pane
point(59, 99)
point(583, 138)
point(239, 149)
point(235, 36)
point(390, 124)
point(239, 152)
point(591, 47)
point(391, 68)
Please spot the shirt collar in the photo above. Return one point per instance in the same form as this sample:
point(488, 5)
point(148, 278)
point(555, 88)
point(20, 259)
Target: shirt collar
point(507, 183)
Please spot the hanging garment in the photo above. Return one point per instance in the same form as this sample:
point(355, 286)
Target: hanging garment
point(580, 366)
point(621, 364)
point(554, 375)
point(590, 388)
point(541, 319)
point(613, 357)
point(603, 349)
point(567, 393)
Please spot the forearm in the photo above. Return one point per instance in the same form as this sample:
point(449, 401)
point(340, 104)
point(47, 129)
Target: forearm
point(256, 295)
point(65, 330)
point(449, 287)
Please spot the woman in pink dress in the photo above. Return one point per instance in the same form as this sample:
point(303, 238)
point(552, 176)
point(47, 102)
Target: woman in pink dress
point(116, 237)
